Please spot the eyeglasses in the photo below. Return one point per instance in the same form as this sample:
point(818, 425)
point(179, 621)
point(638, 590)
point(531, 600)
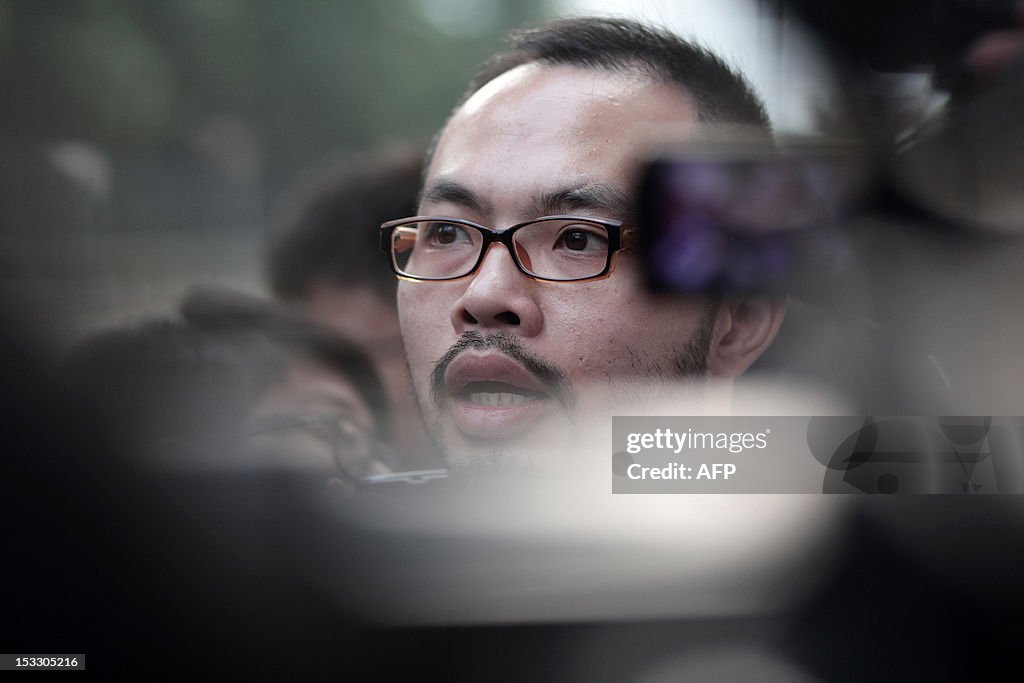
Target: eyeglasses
point(351, 444)
point(551, 248)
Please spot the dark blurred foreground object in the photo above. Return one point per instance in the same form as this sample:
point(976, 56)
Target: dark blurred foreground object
point(963, 165)
point(246, 574)
point(753, 215)
point(940, 241)
point(765, 216)
point(916, 35)
point(899, 287)
point(241, 575)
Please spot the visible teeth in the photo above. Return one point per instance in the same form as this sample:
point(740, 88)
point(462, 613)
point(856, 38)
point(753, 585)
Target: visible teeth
point(495, 398)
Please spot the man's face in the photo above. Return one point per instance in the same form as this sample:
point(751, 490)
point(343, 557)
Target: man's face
point(504, 363)
point(322, 422)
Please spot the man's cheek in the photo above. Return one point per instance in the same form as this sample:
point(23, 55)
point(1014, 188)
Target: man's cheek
point(418, 357)
point(426, 306)
point(415, 324)
point(577, 328)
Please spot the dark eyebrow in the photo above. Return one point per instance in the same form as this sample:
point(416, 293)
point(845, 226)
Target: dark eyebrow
point(445, 190)
point(606, 200)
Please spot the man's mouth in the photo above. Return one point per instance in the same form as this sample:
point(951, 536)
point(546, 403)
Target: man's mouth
point(491, 396)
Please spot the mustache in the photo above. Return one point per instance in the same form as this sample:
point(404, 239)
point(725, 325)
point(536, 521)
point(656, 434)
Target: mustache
point(554, 380)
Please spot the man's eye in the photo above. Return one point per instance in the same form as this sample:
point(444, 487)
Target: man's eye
point(581, 239)
point(441, 234)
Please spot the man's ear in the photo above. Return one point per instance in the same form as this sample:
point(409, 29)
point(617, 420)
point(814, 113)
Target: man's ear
point(744, 328)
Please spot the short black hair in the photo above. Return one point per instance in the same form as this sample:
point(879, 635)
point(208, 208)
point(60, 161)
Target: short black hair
point(161, 379)
point(327, 227)
point(720, 93)
point(220, 311)
point(199, 376)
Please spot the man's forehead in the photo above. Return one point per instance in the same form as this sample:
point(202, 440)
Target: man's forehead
point(535, 97)
point(541, 129)
point(564, 81)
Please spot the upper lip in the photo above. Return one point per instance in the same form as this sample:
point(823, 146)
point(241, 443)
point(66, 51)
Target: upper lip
point(492, 367)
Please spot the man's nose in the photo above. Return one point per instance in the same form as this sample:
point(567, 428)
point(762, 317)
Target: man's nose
point(500, 297)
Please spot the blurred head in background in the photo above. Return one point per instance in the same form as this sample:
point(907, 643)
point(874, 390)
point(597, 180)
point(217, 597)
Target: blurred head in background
point(237, 384)
point(324, 257)
point(503, 357)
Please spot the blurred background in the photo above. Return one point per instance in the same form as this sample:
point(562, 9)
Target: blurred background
point(146, 144)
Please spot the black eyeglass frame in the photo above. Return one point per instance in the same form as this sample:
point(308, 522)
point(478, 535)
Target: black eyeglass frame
point(614, 230)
